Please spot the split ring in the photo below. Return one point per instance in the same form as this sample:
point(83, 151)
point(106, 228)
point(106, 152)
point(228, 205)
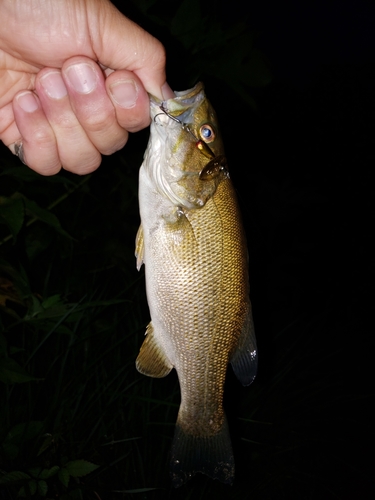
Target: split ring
point(18, 150)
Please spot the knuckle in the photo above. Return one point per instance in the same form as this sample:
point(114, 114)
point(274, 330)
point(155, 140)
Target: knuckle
point(46, 169)
point(42, 138)
point(84, 167)
point(158, 57)
point(135, 121)
point(114, 146)
point(65, 122)
point(98, 121)
point(162, 55)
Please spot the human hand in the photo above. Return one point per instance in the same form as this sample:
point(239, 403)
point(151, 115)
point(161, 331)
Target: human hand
point(55, 100)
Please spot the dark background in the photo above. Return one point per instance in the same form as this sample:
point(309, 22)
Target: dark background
point(293, 85)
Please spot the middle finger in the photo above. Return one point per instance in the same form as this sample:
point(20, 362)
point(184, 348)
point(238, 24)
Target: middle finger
point(94, 110)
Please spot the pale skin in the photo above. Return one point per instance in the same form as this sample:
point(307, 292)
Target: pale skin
point(74, 81)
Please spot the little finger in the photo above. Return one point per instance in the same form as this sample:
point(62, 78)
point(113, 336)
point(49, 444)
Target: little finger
point(39, 147)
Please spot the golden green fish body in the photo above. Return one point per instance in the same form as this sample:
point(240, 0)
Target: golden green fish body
point(193, 245)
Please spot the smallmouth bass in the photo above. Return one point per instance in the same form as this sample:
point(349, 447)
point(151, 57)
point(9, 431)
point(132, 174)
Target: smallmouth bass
point(193, 245)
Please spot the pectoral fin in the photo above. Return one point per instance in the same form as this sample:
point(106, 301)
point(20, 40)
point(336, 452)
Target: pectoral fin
point(244, 359)
point(151, 360)
point(139, 247)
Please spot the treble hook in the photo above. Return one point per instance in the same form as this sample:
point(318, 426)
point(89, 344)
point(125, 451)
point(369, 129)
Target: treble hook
point(184, 126)
point(201, 145)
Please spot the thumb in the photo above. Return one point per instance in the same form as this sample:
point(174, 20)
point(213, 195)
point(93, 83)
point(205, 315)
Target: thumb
point(119, 43)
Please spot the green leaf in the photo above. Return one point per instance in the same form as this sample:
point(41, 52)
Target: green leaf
point(34, 308)
point(136, 490)
point(20, 172)
point(256, 71)
point(188, 32)
point(42, 488)
point(14, 477)
point(48, 438)
point(24, 431)
point(19, 278)
point(51, 301)
point(12, 212)
point(64, 476)
point(3, 345)
point(47, 325)
point(46, 473)
point(32, 485)
point(38, 240)
point(54, 311)
point(23, 173)
point(35, 471)
point(10, 450)
point(22, 492)
point(80, 468)
point(44, 215)
point(72, 495)
point(12, 373)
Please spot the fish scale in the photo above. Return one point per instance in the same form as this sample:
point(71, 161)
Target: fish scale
point(193, 245)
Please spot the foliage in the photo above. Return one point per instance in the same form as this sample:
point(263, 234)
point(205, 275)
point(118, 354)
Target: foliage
point(71, 316)
point(35, 481)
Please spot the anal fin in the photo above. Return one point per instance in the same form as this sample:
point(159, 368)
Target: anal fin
point(151, 360)
point(244, 359)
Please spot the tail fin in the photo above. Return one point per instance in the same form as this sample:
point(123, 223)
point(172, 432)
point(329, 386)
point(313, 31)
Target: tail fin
point(210, 455)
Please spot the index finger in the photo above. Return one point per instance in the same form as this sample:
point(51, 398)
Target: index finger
point(122, 44)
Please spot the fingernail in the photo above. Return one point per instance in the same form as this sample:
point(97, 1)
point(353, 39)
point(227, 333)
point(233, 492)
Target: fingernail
point(82, 77)
point(54, 85)
point(27, 102)
point(124, 93)
point(167, 92)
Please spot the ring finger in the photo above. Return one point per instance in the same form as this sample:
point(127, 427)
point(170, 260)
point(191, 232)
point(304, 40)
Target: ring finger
point(91, 104)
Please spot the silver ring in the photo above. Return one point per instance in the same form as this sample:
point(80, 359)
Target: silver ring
point(18, 150)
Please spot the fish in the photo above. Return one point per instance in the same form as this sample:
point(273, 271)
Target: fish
point(193, 245)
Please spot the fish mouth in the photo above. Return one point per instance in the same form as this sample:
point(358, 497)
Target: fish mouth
point(188, 95)
point(182, 107)
point(180, 94)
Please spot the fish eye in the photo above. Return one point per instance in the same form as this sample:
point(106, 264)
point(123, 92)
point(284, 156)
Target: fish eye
point(207, 133)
